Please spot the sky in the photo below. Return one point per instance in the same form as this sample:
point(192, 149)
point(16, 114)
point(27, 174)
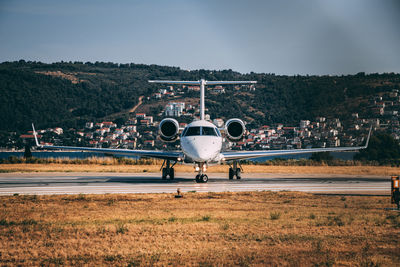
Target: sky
point(315, 37)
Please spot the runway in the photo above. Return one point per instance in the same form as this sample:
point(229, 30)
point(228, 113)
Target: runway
point(104, 183)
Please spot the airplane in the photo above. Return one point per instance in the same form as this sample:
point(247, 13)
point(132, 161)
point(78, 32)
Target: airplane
point(201, 141)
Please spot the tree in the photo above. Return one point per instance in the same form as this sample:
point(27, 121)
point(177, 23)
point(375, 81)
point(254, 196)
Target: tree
point(382, 148)
point(27, 152)
point(321, 156)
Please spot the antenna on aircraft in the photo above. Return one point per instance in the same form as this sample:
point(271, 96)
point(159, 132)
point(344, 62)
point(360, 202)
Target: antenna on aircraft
point(202, 84)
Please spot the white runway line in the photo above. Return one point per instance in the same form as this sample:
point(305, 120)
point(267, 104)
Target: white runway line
point(103, 183)
point(171, 188)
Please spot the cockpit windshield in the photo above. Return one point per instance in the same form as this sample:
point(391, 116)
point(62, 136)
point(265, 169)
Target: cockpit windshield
point(208, 131)
point(193, 131)
point(201, 130)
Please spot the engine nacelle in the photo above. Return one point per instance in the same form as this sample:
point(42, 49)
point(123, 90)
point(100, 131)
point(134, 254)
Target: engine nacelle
point(234, 129)
point(168, 130)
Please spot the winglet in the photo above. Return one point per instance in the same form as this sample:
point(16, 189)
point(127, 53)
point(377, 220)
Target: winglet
point(369, 135)
point(35, 135)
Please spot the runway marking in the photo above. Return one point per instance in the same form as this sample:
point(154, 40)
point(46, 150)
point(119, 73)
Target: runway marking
point(103, 183)
point(171, 188)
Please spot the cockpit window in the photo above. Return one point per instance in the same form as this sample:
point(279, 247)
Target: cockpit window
point(202, 130)
point(184, 131)
point(208, 131)
point(193, 131)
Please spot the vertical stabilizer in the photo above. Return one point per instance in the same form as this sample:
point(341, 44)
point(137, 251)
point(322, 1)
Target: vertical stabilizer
point(202, 98)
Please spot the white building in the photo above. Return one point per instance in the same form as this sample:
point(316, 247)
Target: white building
point(174, 109)
point(89, 125)
point(131, 128)
point(218, 89)
point(58, 130)
point(218, 122)
point(304, 124)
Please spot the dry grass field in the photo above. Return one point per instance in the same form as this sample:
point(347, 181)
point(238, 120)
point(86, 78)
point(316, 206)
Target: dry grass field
point(200, 229)
point(59, 167)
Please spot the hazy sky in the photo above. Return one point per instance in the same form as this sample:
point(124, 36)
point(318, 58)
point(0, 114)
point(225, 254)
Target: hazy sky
point(283, 37)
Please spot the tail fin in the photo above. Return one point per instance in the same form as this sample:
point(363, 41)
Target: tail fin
point(35, 135)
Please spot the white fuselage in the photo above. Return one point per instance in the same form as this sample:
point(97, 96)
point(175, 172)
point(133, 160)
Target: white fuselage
point(201, 145)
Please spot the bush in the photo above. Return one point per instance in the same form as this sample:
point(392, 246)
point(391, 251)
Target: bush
point(121, 229)
point(275, 215)
point(206, 218)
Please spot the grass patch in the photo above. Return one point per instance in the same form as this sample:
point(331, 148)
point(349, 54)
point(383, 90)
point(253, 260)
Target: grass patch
point(112, 258)
point(335, 221)
point(394, 219)
point(275, 215)
point(121, 229)
point(205, 218)
point(172, 219)
point(228, 229)
point(81, 197)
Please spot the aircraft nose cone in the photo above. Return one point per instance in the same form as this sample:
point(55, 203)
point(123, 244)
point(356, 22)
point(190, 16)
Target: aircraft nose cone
point(198, 153)
point(202, 152)
point(201, 148)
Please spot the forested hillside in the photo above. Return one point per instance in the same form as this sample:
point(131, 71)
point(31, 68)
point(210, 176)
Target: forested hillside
point(288, 99)
point(68, 94)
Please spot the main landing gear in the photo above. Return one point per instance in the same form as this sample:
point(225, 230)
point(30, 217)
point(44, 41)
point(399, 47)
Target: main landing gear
point(168, 170)
point(234, 170)
point(201, 177)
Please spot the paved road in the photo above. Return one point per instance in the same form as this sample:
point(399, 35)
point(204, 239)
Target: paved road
point(99, 183)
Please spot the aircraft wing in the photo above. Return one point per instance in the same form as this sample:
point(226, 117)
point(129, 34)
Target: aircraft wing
point(171, 155)
point(239, 155)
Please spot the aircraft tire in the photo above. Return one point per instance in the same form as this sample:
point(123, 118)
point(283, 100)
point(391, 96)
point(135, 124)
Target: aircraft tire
point(231, 174)
point(198, 179)
point(204, 178)
point(238, 174)
point(171, 173)
point(164, 174)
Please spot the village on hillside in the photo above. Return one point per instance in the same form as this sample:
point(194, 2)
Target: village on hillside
point(140, 131)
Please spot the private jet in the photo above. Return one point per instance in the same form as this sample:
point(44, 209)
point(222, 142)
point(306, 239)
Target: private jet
point(201, 141)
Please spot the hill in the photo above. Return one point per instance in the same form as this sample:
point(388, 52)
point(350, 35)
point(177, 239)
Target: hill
point(67, 94)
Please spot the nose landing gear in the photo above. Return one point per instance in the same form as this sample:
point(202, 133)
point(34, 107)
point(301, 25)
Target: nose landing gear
point(201, 177)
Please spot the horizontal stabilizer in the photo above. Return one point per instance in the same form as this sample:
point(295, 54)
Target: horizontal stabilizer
point(229, 82)
point(203, 82)
point(175, 82)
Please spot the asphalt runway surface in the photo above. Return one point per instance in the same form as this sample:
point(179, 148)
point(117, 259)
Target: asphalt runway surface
point(103, 183)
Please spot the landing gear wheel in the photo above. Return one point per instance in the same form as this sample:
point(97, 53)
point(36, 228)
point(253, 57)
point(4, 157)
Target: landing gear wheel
point(204, 178)
point(238, 174)
point(164, 174)
point(171, 173)
point(231, 174)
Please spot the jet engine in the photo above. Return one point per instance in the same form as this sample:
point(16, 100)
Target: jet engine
point(169, 129)
point(234, 129)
